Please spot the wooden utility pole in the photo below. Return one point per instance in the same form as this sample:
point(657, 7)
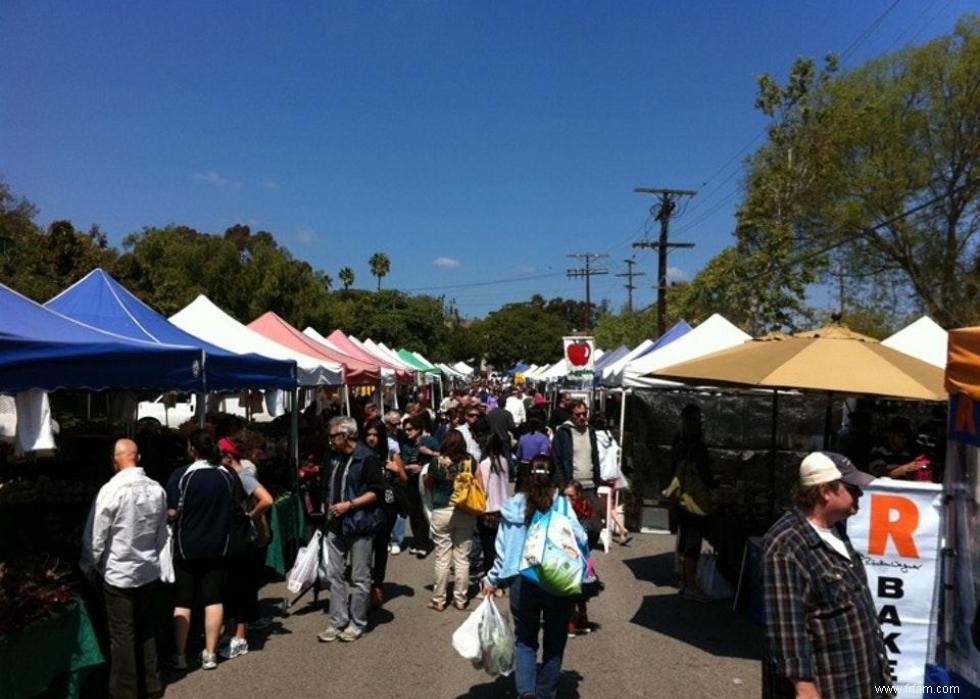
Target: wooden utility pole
point(588, 271)
point(629, 273)
point(663, 212)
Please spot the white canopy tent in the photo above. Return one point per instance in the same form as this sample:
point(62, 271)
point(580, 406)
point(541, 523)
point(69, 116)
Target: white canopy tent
point(924, 339)
point(372, 347)
point(463, 368)
point(713, 335)
point(387, 373)
point(203, 319)
point(612, 375)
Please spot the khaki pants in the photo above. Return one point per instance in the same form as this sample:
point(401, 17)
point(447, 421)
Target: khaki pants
point(452, 533)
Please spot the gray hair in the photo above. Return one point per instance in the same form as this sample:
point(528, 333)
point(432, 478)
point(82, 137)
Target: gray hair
point(393, 415)
point(344, 424)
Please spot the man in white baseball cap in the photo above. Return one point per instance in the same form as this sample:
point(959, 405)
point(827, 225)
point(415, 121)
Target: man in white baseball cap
point(822, 629)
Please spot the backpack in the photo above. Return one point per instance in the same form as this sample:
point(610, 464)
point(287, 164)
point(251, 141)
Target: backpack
point(688, 491)
point(551, 557)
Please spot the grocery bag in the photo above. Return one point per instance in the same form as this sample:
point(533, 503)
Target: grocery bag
point(551, 557)
point(466, 639)
point(167, 558)
point(498, 655)
point(304, 571)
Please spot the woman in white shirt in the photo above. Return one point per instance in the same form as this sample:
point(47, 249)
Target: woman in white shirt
point(493, 479)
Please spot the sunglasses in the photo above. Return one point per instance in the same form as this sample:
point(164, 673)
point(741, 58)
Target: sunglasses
point(334, 435)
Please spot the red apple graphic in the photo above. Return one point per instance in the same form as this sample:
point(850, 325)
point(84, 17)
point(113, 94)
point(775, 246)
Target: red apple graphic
point(578, 353)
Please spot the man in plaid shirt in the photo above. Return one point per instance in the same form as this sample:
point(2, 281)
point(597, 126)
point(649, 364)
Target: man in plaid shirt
point(822, 628)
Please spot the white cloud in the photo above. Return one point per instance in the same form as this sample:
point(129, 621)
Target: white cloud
point(446, 262)
point(306, 235)
point(676, 274)
point(269, 184)
point(216, 179)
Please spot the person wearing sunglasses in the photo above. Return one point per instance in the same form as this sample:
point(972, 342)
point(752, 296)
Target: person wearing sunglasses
point(354, 490)
point(576, 453)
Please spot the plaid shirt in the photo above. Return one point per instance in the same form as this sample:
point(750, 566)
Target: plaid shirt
point(821, 622)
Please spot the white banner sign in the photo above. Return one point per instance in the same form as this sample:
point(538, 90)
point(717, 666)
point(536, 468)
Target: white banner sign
point(897, 532)
point(579, 354)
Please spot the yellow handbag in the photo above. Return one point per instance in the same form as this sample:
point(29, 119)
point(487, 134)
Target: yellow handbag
point(467, 495)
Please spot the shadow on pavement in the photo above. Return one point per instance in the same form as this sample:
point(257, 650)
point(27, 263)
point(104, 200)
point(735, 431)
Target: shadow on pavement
point(393, 590)
point(503, 687)
point(712, 627)
point(658, 569)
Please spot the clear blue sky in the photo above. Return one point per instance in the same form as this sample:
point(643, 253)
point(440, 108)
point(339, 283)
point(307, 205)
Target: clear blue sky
point(471, 142)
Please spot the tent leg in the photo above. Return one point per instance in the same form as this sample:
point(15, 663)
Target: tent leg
point(294, 432)
point(202, 411)
point(622, 420)
point(772, 454)
point(828, 416)
point(346, 399)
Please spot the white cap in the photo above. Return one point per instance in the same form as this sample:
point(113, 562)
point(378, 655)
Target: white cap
point(827, 466)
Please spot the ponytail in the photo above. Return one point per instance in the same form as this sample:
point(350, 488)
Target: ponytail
point(539, 487)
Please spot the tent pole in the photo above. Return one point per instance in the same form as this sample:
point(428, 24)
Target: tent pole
point(622, 418)
point(772, 454)
point(294, 436)
point(826, 421)
point(347, 399)
point(202, 411)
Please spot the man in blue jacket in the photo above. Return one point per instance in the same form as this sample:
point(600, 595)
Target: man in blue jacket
point(576, 456)
point(354, 487)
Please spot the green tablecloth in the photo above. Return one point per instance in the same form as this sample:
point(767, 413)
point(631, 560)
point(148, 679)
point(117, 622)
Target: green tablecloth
point(30, 659)
point(287, 522)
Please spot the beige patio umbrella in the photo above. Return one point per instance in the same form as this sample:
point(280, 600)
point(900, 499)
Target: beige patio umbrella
point(831, 359)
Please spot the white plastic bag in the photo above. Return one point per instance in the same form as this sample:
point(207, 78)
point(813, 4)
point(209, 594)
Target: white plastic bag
point(497, 642)
point(609, 464)
point(466, 639)
point(323, 566)
point(303, 573)
point(167, 558)
point(710, 580)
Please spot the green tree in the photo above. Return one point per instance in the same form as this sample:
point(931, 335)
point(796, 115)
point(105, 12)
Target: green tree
point(380, 266)
point(41, 263)
point(880, 163)
point(521, 331)
point(346, 276)
point(625, 328)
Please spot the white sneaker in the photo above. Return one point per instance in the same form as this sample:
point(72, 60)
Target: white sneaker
point(236, 647)
point(394, 549)
point(208, 660)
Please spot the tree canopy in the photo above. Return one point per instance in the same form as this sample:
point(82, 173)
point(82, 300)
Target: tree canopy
point(881, 164)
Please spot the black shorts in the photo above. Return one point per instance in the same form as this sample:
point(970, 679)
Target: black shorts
point(199, 582)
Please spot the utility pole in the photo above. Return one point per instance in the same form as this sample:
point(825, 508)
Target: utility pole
point(663, 212)
point(588, 271)
point(629, 282)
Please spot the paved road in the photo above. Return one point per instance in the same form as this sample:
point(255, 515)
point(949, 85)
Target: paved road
point(650, 643)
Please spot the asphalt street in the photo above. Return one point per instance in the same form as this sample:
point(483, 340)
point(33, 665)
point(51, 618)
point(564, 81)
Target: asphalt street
point(649, 642)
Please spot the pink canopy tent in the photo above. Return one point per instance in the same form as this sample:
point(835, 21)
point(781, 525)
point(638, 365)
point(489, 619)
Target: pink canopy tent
point(357, 371)
point(341, 341)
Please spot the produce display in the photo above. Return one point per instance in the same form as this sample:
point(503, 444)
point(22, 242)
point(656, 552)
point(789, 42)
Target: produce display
point(30, 590)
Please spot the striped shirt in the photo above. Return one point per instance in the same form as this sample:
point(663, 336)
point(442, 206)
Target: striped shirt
point(821, 622)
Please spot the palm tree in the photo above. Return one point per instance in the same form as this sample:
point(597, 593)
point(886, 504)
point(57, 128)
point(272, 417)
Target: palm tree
point(380, 266)
point(346, 276)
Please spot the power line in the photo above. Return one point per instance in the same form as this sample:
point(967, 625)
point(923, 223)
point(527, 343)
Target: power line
point(629, 282)
point(588, 272)
point(489, 283)
point(667, 205)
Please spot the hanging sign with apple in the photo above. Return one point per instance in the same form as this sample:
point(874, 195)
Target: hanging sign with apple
point(579, 354)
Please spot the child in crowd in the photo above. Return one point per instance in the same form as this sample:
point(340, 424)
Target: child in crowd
point(579, 621)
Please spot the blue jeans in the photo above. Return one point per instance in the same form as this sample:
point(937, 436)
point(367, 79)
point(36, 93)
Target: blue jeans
point(528, 604)
point(398, 533)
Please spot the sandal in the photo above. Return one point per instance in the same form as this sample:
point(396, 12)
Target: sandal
point(437, 606)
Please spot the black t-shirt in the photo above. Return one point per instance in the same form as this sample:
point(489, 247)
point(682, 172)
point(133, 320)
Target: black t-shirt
point(201, 527)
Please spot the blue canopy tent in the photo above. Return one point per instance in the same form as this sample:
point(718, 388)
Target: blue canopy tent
point(612, 356)
point(100, 301)
point(518, 368)
point(679, 329)
point(40, 348)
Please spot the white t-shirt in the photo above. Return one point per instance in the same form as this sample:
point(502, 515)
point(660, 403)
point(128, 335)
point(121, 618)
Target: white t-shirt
point(832, 539)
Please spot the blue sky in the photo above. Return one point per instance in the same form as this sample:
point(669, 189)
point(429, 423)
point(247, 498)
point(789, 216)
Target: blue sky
point(471, 142)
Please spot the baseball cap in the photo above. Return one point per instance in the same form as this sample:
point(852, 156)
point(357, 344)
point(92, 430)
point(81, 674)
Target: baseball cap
point(826, 466)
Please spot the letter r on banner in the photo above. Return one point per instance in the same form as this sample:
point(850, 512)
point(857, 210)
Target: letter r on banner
point(901, 528)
